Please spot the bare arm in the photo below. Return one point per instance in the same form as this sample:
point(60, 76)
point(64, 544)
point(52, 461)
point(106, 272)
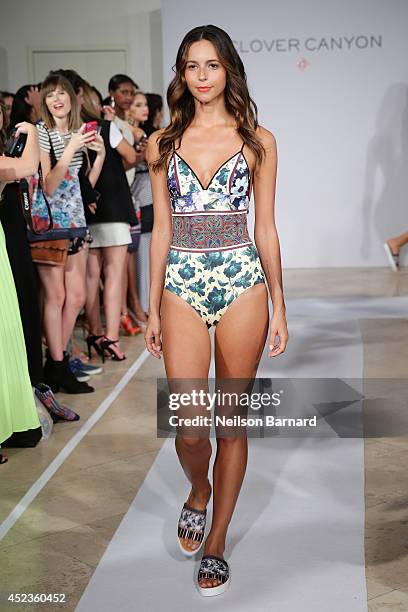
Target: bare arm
point(131, 156)
point(140, 156)
point(266, 238)
point(98, 146)
point(127, 153)
point(12, 168)
point(159, 246)
point(96, 169)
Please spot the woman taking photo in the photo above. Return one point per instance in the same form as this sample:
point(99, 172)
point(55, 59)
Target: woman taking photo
point(62, 141)
point(17, 407)
point(204, 165)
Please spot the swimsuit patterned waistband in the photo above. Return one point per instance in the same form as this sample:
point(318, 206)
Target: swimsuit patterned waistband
point(210, 232)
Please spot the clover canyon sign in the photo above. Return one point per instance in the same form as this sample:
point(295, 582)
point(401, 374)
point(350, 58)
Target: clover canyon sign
point(332, 43)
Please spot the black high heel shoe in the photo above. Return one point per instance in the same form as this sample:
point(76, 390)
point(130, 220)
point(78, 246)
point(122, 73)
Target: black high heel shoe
point(58, 376)
point(92, 343)
point(109, 345)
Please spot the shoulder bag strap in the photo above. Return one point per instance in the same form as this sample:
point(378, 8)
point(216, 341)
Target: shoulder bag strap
point(26, 202)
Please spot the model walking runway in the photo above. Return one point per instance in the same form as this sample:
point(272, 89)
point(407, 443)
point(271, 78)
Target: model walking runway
point(300, 516)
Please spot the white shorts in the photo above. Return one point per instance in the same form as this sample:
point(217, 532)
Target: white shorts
point(109, 234)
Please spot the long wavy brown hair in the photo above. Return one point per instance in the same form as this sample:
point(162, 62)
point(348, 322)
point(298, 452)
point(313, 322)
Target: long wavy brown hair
point(238, 102)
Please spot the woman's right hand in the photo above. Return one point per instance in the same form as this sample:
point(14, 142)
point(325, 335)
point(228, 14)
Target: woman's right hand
point(109, 113)
point(141, 146)
point(24, 128)
point(140, 156)
point(152, 336)
point(81, 138)
point(98, 145)
point(33, 97)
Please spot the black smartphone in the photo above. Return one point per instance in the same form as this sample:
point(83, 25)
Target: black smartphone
point(14, 147)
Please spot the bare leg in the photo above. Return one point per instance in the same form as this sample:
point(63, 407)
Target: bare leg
point(75, 291)
point(244, 324)
point(124, 307)
point(187, 353)
point(397, 242)
point(52, 282)
point(92, 305)
point(114, 259)
point(132, 290)
point(126, 320)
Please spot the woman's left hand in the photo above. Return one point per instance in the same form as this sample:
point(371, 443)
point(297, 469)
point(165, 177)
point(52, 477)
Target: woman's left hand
point(278, 328)
point(97, 145)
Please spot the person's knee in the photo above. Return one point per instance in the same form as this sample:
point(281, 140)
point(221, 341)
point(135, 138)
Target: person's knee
point(193, 443)
point(231, 440)
point(55, 298)
point(76, 299)
point(93, 274)
point(93, 268)
point(113, 273)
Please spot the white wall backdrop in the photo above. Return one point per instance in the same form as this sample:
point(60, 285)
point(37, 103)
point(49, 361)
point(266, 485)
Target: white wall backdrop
point(331, 82)
point(81, 25)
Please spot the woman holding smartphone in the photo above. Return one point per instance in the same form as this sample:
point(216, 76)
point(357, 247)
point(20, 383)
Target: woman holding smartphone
point(204, 165)
point(17, 407)
point(62, 141)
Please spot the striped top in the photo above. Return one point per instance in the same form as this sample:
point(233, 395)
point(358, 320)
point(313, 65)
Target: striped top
point(59, 142)
point(141, 188)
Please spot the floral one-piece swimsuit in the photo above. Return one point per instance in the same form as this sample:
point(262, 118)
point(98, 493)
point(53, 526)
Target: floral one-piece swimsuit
point(212, 259)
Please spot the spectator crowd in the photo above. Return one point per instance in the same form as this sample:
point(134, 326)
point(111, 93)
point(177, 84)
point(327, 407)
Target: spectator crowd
point(76, 237)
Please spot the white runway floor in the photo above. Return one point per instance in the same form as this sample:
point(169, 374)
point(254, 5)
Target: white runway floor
point(296, 542)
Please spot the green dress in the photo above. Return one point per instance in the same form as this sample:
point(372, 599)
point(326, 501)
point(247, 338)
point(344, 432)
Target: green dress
point(17, 407)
